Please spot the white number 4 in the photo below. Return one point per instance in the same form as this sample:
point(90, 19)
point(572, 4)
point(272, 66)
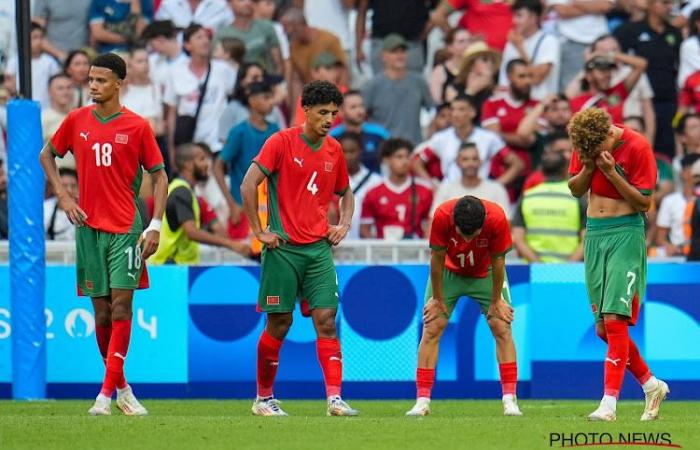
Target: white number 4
point(312, 187)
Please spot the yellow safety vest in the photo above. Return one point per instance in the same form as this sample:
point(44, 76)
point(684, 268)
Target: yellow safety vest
point(174, 245)
point(552, 220)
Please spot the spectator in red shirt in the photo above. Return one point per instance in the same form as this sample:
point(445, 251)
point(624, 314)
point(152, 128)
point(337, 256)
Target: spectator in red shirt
point(689, 96)
point(489, 20)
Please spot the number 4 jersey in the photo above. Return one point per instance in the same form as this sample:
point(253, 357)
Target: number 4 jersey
point(470, 258)
point(302, 178)
point(109, 153)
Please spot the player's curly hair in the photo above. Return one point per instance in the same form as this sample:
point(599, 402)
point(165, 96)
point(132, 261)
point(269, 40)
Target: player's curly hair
point(321, 93)
point(588, 129)
point(111, 61)
point(469, 214)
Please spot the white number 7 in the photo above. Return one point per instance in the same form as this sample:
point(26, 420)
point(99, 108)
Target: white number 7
point(633, 277)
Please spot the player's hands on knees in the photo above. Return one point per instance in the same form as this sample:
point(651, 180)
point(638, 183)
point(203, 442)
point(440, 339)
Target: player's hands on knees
point(501, 310)
point(149, 243)
point(68, 204)
point(434, 309)
point(270, 239)
point(337, 233)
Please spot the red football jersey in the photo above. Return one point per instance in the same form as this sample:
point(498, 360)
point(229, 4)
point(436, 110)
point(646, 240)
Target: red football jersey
point(470, 258)
point(302, 180)
point(109, 153)
point(491, 19)
point(689, 96)
point(387, 204)
point(634, 160)
point(611, 101)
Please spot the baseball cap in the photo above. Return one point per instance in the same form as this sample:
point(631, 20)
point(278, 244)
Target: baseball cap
point(325, 59)
point(393, 41)
point(600, 62)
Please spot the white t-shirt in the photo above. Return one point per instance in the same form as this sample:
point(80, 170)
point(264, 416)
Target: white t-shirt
point(329, 15)
point(373, 180)
point(62, 228)
point(548, 52)
point(582, 29)
point(159, 68)
point(445, 145)
point(43, 68)
point(182, 90)
point(641, 91)
point(487, 190)
point(145, 100)
point(690, 59)
point(671, 216)
point(212, 14)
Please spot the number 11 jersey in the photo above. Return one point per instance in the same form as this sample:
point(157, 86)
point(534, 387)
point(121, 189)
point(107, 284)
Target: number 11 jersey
point(302, 178)
point(109, 153)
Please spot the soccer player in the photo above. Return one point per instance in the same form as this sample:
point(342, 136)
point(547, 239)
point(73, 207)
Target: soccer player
point(618, 166)
point(110, 145)
point(469, 239)
point(304, 168)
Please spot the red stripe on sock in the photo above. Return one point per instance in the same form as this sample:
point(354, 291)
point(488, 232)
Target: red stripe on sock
point(425, 380)
point(116, 355)
point(268, 362)
point(331, 360)
point(617, 332)
point(509, 377)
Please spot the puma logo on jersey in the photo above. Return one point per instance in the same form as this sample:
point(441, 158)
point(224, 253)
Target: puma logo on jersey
point(454, 241)
point(84, 135)
point(613, 361)
point(626, 302)
point(299, 161)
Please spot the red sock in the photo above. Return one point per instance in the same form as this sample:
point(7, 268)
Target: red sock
point(616, 359)
point(116, 355)
point(637, 365)
point(268, 361)
point(509, 377)
point(331, 360)
point(425, 379)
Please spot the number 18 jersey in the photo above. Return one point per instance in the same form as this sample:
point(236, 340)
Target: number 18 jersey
point(470, 258)
point(109, 153)
point(302, 178)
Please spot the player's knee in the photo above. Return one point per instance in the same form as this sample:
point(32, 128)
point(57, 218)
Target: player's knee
point(325, 326)
point(121, 311)
point(278, 325)
point(500, 329)
point(103, 317)
point(433, 330)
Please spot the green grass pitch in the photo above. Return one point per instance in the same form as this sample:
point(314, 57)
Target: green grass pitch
point(228, 424)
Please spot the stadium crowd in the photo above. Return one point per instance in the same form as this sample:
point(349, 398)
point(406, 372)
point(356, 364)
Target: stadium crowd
point(441, 99)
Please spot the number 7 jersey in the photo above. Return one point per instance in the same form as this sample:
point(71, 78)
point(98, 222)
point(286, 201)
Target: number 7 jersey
point(109, 153)
point(302, 178)
point(470, 258)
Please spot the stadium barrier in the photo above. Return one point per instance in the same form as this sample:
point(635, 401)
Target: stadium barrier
point(196, 329)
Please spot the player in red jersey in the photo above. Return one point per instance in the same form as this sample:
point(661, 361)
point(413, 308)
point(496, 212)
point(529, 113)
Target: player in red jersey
point(469, 239)
point(618, 166)
point(111, 145)
point(304, 169)
point(400, 200)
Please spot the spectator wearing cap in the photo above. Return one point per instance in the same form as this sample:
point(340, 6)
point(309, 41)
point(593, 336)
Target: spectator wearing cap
point(597, 83)
point(671, 218)
point(211, 14)
point(372, 135)
point(656, 40)
point(115, 24)
point(485, 20)
point(324, 68)
point(528, 42)
point(410, 19)
point(65, 23)
point(243, 143)
point(395, 97)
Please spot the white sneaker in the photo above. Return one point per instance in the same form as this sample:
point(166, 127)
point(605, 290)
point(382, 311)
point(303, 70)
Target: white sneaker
point(337, 407)
point(510, 407)
point(269, 406)
point(127, 402)
point(421, 408)
point(653, 401)
point(603, 414)
point(102, 406)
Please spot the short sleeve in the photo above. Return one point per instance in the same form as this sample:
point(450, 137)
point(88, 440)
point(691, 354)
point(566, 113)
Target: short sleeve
point(518, 220)
point(664, 218)
point(643, 170)
point(169, 94)
point(367, 210)
point(549, 51)
point(178, 208)
point(232, 146)
point(501, 241)
point(96, 13)
point(488, 114)
point(271, 36)
point(495, 146)
point(269, 160)
point(440, 230)
point(685, 96)
point(62, 140)
point(575, 165)
point(342, 179)
point(150, 156)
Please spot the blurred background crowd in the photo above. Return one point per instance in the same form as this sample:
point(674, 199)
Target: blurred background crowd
point(441, 99)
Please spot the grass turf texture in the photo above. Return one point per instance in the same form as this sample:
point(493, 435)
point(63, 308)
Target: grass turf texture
point(195, 424)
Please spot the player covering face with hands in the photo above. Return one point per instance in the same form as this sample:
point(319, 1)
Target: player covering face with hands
point(469, 238)
point(617, 166)
point(112, 146)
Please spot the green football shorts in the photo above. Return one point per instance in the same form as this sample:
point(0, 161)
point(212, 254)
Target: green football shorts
point(615, 255)
point(293, 271)
point(455, 286)
point(108, 261)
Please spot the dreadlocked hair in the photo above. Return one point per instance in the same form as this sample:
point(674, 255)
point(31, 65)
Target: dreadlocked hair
point(588, 129)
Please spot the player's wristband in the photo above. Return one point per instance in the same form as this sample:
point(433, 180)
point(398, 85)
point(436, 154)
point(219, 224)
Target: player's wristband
point(155, 225)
